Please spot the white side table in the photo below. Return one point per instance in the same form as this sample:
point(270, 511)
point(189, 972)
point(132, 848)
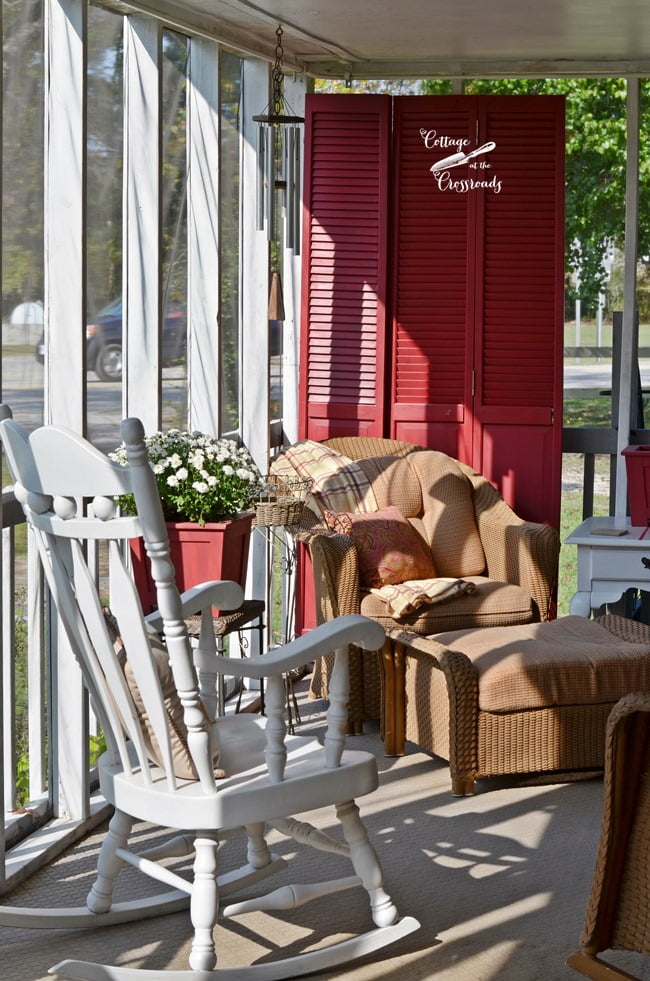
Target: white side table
point(608, 563)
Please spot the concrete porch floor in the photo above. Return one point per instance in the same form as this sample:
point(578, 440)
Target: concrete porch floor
point(498, 881)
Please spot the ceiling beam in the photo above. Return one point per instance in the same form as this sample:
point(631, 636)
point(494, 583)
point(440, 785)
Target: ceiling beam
point(561, 68)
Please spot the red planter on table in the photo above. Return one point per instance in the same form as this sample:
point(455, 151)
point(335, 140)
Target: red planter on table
point(637, 465)
point(215, 550)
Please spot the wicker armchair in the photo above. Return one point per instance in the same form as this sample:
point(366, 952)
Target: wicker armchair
point(617, 911)
point(515, 585)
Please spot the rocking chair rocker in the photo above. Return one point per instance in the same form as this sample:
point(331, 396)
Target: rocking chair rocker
point(212, 778)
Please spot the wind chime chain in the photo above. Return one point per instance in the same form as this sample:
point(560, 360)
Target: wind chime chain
point(278, 76)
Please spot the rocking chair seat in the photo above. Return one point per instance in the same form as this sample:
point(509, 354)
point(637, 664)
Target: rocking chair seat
point(248, 794)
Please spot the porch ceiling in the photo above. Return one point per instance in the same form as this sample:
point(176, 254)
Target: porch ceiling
point(428, 38)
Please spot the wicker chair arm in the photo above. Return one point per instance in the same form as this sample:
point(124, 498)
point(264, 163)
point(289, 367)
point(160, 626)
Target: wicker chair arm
point(336, 572)
point(462, 686)
point(524, 553)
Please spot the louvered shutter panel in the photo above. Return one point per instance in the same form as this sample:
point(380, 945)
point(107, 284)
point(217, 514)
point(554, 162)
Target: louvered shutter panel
point(432, 255)
point(518, 280)
point(343, 315)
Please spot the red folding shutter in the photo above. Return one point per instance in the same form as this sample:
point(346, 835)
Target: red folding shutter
point(519, 303)
point(347, 155)
point(432, 258)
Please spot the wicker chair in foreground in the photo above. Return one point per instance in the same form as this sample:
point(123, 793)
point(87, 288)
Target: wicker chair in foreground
point(469, 531)
point(617, 913)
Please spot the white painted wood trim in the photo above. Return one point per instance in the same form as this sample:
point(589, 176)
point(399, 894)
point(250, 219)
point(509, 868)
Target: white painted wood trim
point(628, 347)
point(64, 322)
point(37, 677)
point(254, 282)
point(295, 89)
point(254, 272)
point(141, 321)
point(8, 647)
point(64, 213)
point(203, 236)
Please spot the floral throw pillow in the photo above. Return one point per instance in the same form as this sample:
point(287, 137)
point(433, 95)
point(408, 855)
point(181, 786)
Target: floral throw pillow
point(389, 548)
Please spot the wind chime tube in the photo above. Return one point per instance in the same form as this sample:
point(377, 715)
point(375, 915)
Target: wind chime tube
point(270, 182)
point(261, 167)
point(289, 195)
point(297, 209)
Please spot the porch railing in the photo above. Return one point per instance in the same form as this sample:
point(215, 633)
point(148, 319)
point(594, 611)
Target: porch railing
point(43, 733)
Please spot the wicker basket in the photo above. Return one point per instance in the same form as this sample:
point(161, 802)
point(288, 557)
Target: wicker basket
point(282, 503)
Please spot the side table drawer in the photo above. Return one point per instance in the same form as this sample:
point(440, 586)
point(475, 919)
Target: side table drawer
point(621, 564)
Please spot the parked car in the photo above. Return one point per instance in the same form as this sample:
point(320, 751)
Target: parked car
point(104, 342)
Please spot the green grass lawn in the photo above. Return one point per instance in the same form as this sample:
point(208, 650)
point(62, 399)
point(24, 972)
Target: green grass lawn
point(570, 518)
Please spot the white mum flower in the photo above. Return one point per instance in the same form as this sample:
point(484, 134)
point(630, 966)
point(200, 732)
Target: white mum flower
point(200, 486)
point(182, 473)
point(172, 480)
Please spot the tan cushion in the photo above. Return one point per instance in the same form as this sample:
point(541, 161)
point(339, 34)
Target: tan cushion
point(569, 661)
point(448, 514)
point(389, 549)
point(181, 757)
point(490, 604)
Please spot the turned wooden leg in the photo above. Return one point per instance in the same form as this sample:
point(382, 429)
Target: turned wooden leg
point(399, 714)
point(387, 722)
point(366, 864)
point(100, 897)
point(393, 700)
point(462, 785)
point(258, 853)
point(204, 904)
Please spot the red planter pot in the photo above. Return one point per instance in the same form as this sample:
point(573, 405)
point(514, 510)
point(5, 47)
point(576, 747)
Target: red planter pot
point(216, 550)
point(637, 465)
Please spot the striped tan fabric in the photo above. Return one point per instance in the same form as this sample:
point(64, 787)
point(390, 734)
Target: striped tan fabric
point(407, 597)
point(338, 483)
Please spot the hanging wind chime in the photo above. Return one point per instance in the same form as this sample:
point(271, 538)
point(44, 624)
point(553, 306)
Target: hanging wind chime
point(278, 160)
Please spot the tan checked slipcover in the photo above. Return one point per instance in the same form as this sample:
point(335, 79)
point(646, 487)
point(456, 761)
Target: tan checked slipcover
point(519, 699)
point(472, 534)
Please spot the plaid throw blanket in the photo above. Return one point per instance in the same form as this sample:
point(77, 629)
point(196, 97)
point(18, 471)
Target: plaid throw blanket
point(338, 483)
point(406, 597)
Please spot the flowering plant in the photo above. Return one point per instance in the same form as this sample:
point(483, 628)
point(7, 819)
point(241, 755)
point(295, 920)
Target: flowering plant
point(199, 478)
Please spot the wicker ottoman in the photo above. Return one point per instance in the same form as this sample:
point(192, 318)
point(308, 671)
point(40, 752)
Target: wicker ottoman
point(506, 700)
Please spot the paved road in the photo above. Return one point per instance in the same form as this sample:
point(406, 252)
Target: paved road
point(599, 376)
point(23, 390)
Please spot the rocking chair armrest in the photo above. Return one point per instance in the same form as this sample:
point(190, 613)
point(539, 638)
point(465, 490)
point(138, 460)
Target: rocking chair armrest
point(335, 635)
point(220, 593)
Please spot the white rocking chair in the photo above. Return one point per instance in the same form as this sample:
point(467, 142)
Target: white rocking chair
point(67, 490)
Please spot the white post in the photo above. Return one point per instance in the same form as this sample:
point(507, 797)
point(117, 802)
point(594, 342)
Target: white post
point(65, 216)
point(628, 351)
point(203, 236)
point(141, 319)
point(64, 322)
point(295, 89)
point(254, 264)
